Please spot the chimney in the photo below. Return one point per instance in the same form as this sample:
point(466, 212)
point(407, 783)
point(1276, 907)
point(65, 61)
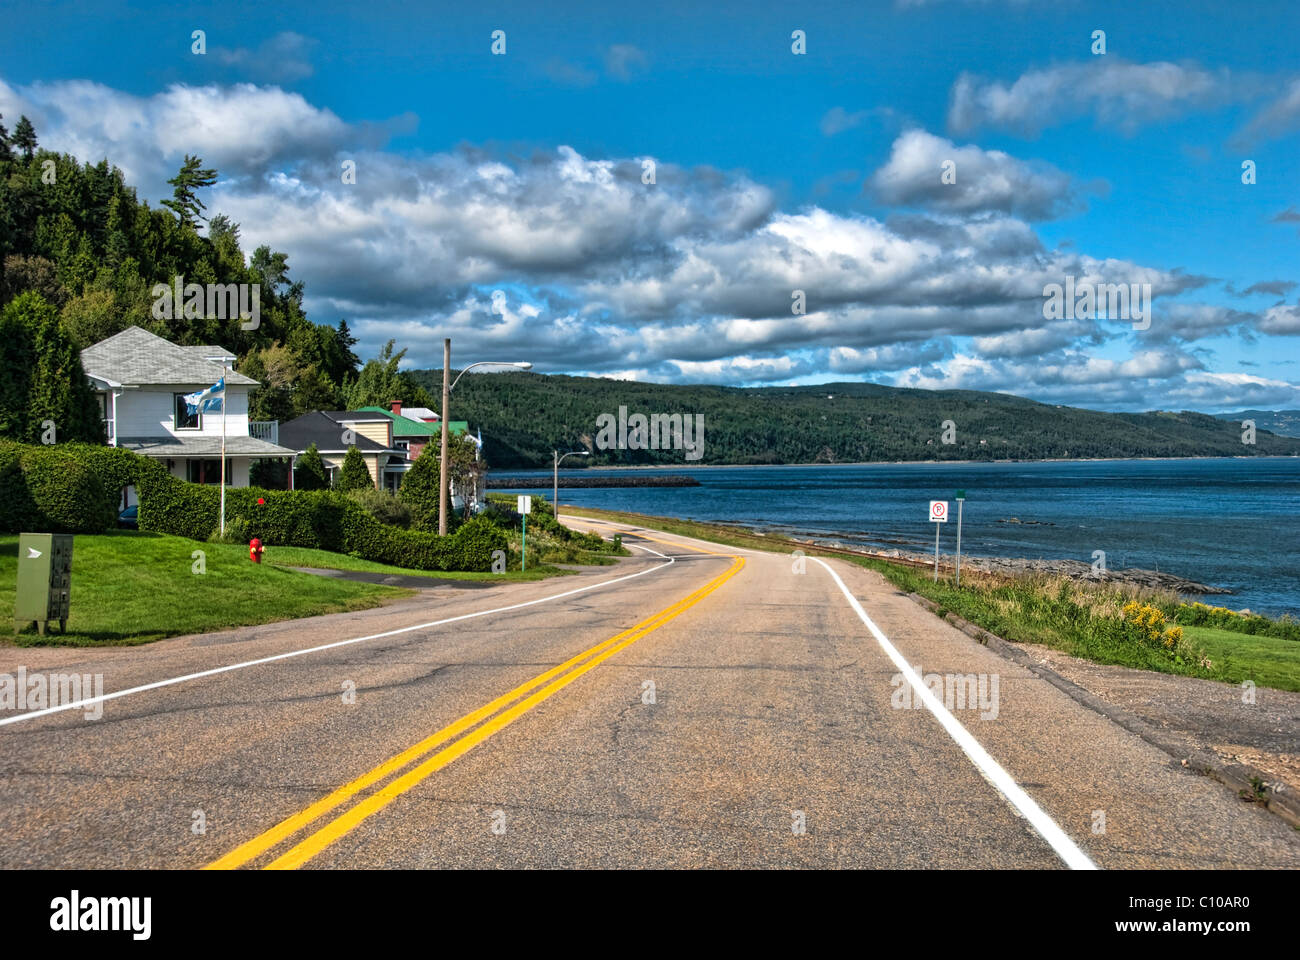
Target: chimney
point(396, 407)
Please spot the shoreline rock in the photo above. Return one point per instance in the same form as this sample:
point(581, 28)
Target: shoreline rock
point(1073, 569)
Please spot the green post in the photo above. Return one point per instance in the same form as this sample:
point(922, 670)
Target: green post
point(523, 559)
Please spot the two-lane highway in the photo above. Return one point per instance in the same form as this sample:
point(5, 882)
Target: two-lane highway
point(695, 706)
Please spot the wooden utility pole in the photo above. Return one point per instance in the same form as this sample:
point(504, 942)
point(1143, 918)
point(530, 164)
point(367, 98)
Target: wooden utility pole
point(442, 460)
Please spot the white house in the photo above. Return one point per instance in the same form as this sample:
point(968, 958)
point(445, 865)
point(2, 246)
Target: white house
point(142, 379)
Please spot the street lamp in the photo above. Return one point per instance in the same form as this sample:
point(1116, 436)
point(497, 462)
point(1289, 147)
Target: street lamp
point(555, 491)
point(447, 385)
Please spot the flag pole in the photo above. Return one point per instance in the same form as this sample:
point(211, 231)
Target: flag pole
point(223, 454)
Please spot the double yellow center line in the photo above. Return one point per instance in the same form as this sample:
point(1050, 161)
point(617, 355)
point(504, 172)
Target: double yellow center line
point(499, 713)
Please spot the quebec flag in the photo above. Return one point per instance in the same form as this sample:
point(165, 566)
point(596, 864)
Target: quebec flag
point(207, 401)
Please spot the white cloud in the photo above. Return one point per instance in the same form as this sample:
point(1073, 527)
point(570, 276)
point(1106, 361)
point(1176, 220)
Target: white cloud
point(977, 180)
point(686, 279)
point(1117, 92)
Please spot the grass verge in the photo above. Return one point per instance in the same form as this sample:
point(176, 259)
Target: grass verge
point(130, 588)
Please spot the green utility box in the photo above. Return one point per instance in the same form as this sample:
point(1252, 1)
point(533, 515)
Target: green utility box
point(44, 580)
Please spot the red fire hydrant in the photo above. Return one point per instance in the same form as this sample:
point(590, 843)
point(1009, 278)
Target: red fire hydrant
point(255, 549)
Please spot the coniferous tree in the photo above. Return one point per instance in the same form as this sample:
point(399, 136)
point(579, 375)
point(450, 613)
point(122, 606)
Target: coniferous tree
point(45, 382)
point(354, 475)
point(420, 491)
point(185, 202)
point(309, 473)
point(24, 138)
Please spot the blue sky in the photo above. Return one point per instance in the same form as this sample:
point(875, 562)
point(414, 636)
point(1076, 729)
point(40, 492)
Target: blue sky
point(774, 172)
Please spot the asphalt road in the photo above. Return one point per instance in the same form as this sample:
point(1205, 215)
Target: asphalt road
point(695, 706)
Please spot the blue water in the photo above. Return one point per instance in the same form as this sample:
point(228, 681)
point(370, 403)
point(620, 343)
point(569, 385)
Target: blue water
point(1231, 523)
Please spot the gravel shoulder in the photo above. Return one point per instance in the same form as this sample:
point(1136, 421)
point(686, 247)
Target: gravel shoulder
point(1214, 716)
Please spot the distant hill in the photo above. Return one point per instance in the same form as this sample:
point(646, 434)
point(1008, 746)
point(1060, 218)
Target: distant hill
point(524, 416)
point(1285, 423)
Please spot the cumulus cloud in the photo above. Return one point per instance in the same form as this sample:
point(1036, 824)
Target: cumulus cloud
point(978, 180)
point(241, 129)
point(1282, 320)
point(1117, 92)
point(1197, 321)
point(691, 278)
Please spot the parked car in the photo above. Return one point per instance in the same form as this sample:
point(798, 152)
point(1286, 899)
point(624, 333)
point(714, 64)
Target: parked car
point(128, 519)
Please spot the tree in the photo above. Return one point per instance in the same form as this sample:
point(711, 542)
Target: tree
point(5, 153)
point(274, 267)
point(309, 474)
point(464, 468)
point(380, 383)
point(45, 382)
point(24, 138)
point(420, 490)
point(354, 475)
point(185, 203)
point(35, 274)
point(222, 226)
point(347, 342)
point(92, 317)
point(420, 484)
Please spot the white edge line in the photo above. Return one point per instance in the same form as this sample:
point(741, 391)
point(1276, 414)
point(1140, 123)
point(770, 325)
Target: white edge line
point(329, 646)
point(1047, 828)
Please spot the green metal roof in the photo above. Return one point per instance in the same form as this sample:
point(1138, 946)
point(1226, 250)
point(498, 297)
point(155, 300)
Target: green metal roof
point(406, 427)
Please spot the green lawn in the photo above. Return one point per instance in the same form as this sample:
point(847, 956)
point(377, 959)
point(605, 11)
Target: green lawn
point(130, 587)
point(1269, 661)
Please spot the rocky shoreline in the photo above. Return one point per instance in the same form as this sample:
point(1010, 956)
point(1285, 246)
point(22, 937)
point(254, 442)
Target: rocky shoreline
point(1018, 566)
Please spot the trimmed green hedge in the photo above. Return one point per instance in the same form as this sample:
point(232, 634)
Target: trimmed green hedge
point(61, 488)
point(320, 519)
point(74, 488)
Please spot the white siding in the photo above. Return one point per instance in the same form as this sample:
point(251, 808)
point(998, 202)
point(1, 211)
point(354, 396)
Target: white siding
point(149, 412)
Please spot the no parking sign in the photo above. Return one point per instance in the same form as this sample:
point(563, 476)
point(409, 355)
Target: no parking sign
point(938, 511)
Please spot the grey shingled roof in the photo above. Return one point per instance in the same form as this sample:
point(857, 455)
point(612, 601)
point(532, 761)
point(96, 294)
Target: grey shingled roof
point(136, 356)
point(325, 429)
point(236, 446)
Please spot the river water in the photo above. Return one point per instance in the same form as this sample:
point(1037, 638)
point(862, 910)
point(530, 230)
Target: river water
point(1227, 522)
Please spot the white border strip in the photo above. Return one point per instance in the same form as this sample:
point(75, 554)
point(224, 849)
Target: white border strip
point(1056, 838)
point(338, 643)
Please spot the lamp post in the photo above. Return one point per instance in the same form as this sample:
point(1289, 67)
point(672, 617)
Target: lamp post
point(555, 490)
point(448, 385)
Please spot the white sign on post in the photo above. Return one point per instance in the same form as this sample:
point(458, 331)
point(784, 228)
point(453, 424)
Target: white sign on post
point(525, 504)
point(938, 511)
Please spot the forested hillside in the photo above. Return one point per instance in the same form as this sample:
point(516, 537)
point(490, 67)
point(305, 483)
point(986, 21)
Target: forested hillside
point(80, 254)
point(1285, 423)
point(77, 236)
point(525, 416)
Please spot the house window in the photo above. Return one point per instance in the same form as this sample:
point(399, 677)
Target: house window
point(208, 471)
point(185, 420)
point(105, 409)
